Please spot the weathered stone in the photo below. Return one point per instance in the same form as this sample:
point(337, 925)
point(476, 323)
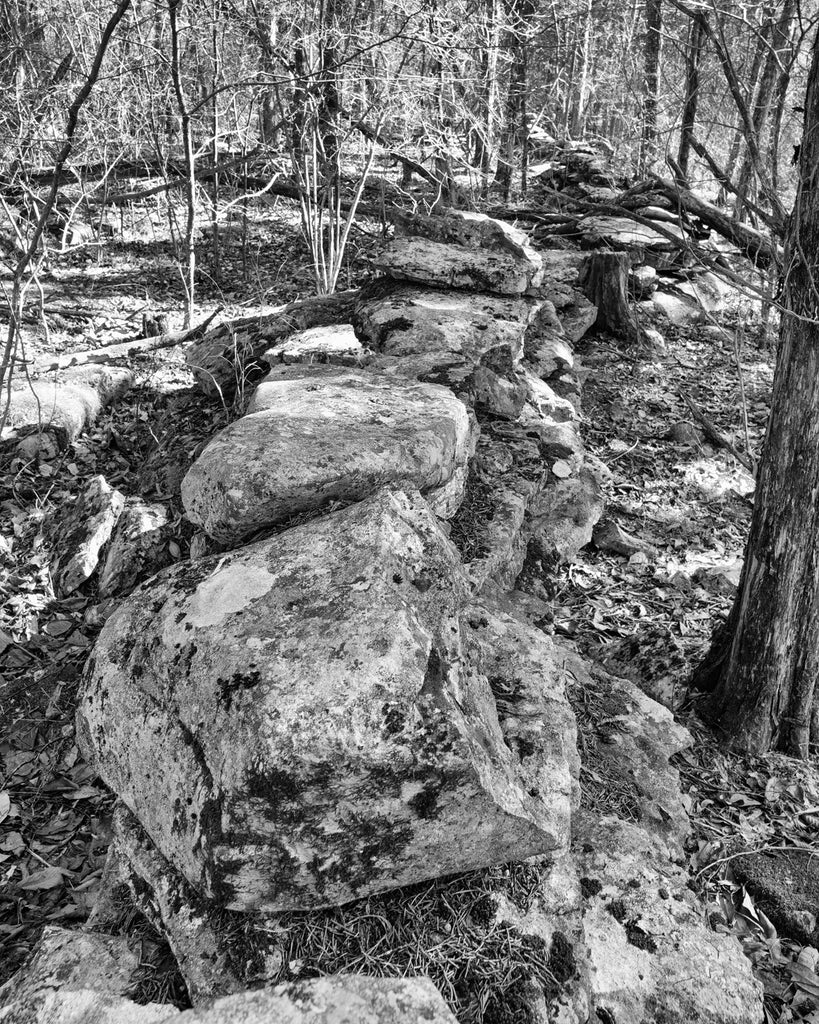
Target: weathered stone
point(565, 514)
point(469, 230)
point(450, 266)
point(299, 723)
point(651, 956)
point(624, 233)
point(77, 978)
point(328, 344)
point(67, 404)
point(642, 281)
point(78, 536)
point(497, 395)
point(138, 547)
point(563, 272)
point(546, 347)
point(322, 438)
point(608, 535)
point(577, 317)
point(337, 999)
point(401, 320)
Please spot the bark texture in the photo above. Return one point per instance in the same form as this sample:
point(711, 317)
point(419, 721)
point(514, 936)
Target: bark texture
point(765, 696)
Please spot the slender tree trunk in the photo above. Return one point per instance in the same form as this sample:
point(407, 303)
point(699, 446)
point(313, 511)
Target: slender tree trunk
point(765, 695)
point(190, 163)
point(777, 56)
point(651, 94)
point(692, 90)
point(578, 122)
point(753, 81)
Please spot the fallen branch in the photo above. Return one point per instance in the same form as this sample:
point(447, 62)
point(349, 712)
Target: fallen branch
point(714, 436)
point(127, 349)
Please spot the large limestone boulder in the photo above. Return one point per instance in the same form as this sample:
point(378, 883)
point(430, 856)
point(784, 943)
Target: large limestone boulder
point(338, 999)
point(401, 320)
point(77, 978)
point(462, 250)
point(307, 720)
point(324, 437)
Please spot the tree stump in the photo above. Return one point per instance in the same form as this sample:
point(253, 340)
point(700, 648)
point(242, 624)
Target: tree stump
point(606, 285)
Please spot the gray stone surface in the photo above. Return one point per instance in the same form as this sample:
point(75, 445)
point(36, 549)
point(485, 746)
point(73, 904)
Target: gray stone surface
point(337, 999)
point(315, 439)
point(77, 978)
point(78, 534)
point(336, 343)
point(138, 546)
point(306, 721)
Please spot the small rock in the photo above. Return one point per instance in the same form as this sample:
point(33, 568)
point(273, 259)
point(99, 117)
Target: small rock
point(685, 433)
point(79, 534)
point(138, 547)
point(642, 281)
point(610, 536)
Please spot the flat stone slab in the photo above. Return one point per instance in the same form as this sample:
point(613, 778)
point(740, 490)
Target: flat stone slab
point(624, 233)
point(313, 718)
point(401, 320)
point(328, 437)
point(337, 999)
point(331, 344)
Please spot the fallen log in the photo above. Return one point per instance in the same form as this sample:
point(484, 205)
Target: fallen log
point(127, 349)
point(716, 438)
point(751, 243)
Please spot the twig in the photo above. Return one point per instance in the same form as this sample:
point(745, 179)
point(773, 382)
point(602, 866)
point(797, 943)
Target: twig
point(714, 436)
point(737, 333)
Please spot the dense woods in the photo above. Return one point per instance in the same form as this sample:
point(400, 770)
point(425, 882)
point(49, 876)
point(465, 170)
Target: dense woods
point(408, 472)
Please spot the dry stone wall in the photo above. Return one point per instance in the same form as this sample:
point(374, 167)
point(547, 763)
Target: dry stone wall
point(359, 689)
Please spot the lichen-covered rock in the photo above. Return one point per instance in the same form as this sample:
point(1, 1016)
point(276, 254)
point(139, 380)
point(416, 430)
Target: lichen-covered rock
point(77, 978)
point(337, 999)
point(624, 233)
point(462, 250)
point(651, 955)
point(79, 533)
point(299, 723)
point(138, 546)
point(566, 513)
point(401, 320)
point(321, 438)
point(336, 343)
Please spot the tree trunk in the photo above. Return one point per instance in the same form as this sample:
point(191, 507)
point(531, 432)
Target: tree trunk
point(765, 695)
point(692, 91)
point(653, 50)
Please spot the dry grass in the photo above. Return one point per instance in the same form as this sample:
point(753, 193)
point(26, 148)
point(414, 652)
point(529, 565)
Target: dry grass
point(487, 971)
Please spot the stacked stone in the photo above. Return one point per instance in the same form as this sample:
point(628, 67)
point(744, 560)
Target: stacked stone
point(355, 694)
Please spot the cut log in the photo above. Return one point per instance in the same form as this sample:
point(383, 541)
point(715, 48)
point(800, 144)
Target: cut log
point(606, 285)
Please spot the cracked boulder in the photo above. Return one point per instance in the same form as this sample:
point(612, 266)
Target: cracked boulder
point(324, 437)
point(306, 720)
point(462, 250)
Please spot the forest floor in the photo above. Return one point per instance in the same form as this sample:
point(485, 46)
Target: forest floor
point(647, 617)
